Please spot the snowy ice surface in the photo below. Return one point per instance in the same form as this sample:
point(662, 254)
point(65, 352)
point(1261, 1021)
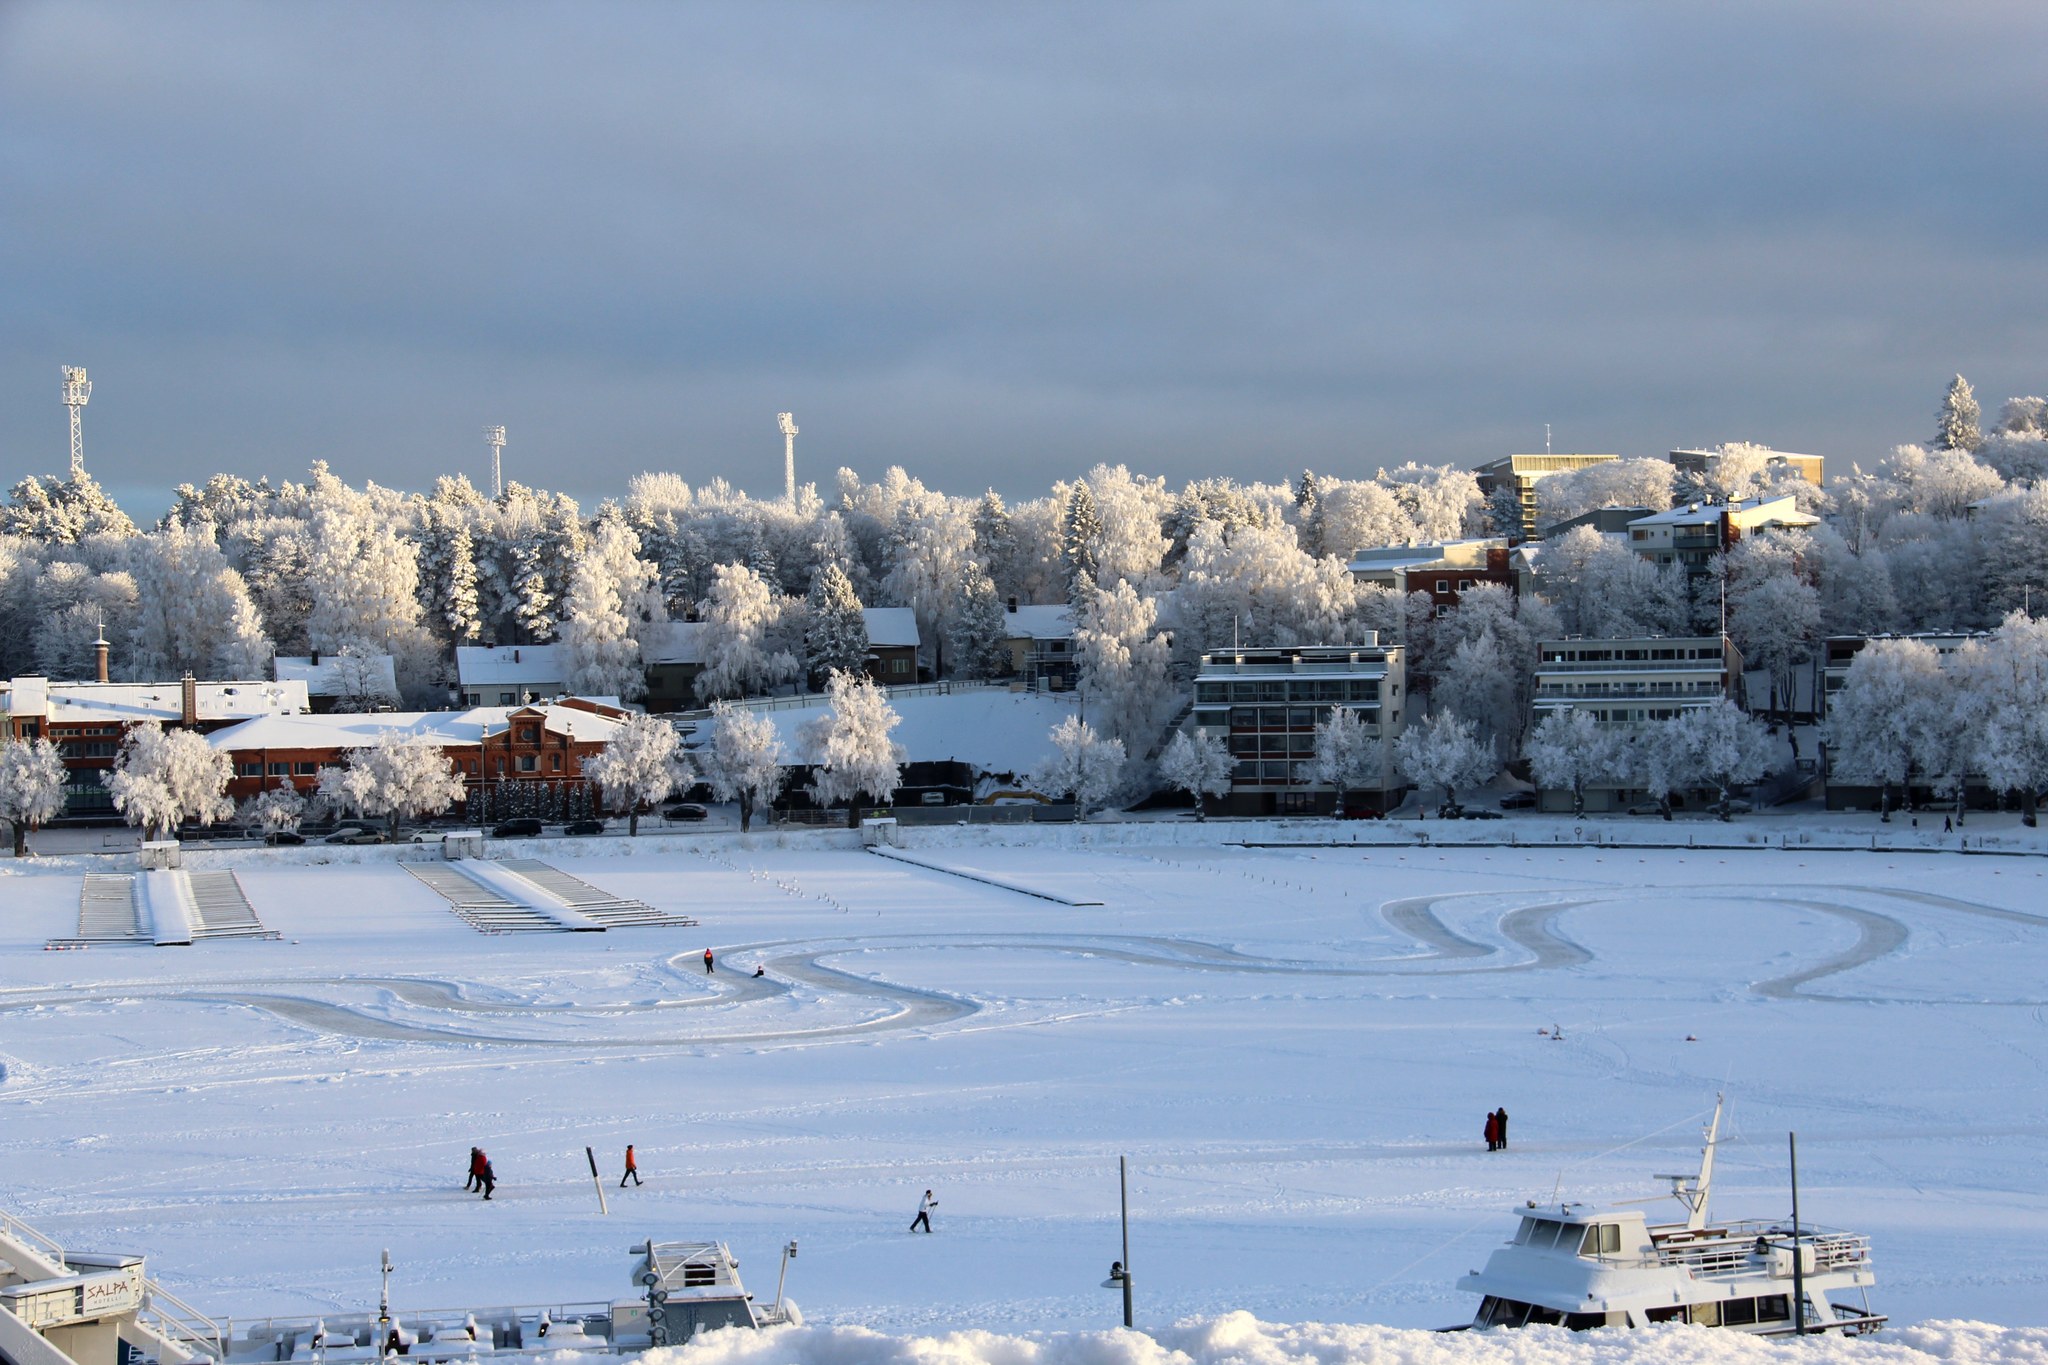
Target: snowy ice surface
point(1294, 1046)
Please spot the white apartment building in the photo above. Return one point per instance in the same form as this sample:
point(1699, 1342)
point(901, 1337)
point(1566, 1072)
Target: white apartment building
point(1630, 683)
point(1265, 703)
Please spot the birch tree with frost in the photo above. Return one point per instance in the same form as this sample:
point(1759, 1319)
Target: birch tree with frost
point(1198, 764)
point(641, 764)
point(743, 761)
point(162, 778)
point(32, 779)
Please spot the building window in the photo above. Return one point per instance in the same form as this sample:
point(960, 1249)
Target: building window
point(529, 734)
point(1464, 585)
point(899, 665)
point(248, 770)
point(529, 763)
point(305, 770)
point(555, 762)
point(1443, 585)
point(507, 698)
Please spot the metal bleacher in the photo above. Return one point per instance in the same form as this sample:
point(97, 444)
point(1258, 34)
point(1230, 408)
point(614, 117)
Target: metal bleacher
point(223, 909)
point(613, 912)
point(106, 912)
point(478, 905)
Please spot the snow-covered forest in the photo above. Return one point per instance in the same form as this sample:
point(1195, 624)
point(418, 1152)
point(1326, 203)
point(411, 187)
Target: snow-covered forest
point(1946, 535)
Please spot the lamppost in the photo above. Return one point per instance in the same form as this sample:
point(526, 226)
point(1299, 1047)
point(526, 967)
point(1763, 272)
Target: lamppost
point(1120, 1271)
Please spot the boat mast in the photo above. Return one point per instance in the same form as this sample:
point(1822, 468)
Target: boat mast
point(1694, 1191)
point(1798, 1252)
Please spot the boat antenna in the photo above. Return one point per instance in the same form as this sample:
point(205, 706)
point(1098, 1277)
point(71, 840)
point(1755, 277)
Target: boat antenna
point(384, 1305)
point(1798, 1252)
point(1694, 1190)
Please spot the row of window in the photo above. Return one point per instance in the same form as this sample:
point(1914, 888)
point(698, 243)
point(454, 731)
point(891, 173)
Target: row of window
point(1577, 688)
point(1495, 1311)
point(1624, 715)
point(1300, 744)
point(1289, 690)
point(1278, 717)
point(1601, 656)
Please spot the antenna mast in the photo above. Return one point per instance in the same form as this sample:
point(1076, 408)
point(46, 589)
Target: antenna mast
point(77, 389)
point(496, 436)
point(1546, 438)
point(788, 423)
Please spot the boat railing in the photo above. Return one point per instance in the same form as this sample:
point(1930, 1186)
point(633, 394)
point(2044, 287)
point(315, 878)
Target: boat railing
point(1731, 1250)
point(22, 1232)
point(177, 1321)
point(284, 1334)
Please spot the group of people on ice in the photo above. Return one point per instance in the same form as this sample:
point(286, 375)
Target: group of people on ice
point(1496, 1130)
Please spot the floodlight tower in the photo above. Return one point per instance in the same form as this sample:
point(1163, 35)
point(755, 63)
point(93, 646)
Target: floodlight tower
point(788, 421)
point(496, 436)
point(77, 389)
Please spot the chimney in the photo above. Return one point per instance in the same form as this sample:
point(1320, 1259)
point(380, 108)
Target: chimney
point(1013, 606)
point(515, 656)
point(191, 699)
point(99, 656)
point(316, 658)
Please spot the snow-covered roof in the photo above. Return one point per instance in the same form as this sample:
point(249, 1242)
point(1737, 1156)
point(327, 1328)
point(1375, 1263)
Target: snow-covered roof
point(338, 675)
point(343, 731)
point(1710, 513)
point(498, 665)
point(68, 702)
point(890, 627)
point(1054, 622)
point(993, 728)
point(672, 642)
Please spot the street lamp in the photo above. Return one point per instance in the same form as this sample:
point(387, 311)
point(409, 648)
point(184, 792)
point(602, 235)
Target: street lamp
point(1120, 1271)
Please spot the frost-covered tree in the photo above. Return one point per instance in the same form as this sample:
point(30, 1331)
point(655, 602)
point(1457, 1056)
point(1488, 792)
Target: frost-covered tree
point(1363, 515)
point(1443, 501)
point(363, 577)
point(193, 611)
point(1083, 765)
point(1774, 614)
point(1479, 682)
point(1605, 590)
point(1198, 764)
point(1957, 424)
point(160, 779)
point(1726, 745)
point(931, 551)
point(1254, 584)
point(1886, 725)
point(32, 781)
point(1348, 756)
point(1445, 751)
point(835, 632)
point(275, 809)
point(978, 632)
point(398, 777)
point(1124, 660)
point(641, 764)
point(613, 596)
point(850, 745)
point(62, 511)
point(1655, 758)
point(1080, 532)
point(743, 761)
point(1611, 483)
point(743, 622)
point(2002, 698)
point(1569, 750)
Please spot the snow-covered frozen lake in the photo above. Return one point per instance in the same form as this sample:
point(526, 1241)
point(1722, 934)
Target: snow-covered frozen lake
point(1294, 1046)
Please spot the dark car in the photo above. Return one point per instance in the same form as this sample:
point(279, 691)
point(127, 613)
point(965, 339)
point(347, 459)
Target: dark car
point(516, 829)
point(280, 837)
point(1476, 813)
point(1358, 813)
point(686, 811)
point(585, 827)
point(1518, 801)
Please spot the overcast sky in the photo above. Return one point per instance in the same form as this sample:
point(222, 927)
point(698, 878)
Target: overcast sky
point(997, 244)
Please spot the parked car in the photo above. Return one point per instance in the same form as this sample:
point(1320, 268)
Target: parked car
point(356, 835)
point(1518, 801)
point(1647, 808)
point(523, 828)
point(1479, 813)
point(687, 810)
point(278, 838)
point(1358, 813)
point(428, 836)
point(585, 827)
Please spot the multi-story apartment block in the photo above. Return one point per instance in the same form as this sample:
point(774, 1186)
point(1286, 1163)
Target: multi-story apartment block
point(1837, 652)
point(1521, 472)
point(1266, 703)
point(1694, 533)
point(1630, 683)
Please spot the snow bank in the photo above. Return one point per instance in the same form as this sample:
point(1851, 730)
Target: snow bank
point(1241, 1339)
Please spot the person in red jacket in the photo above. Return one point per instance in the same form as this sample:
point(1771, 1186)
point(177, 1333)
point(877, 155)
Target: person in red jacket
point(476, 1169)
point(632, 1168)
point(707, 962)
point(1492, 1131)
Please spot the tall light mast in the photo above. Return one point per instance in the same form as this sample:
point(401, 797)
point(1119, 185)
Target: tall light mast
point(788, 421)
point(77, 389)
point(496, 436)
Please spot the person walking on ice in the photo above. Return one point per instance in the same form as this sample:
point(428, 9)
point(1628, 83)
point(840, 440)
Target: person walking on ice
point(632, 1168)
point(707, 962)
point(1500, 1127)
point(489, 1178)
point(924, 1212)
point(1491, 1131)
point(476, 1170)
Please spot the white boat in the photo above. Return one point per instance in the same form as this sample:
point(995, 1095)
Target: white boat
point(60, 1307)
point(1578, 1267)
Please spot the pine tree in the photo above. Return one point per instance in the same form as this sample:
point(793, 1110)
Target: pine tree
point(1080, 534)
point(835, 632)
point(995, 544)
point(460, 611)
point(1308, 507)
point(978, 633)
point(1959, 419)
